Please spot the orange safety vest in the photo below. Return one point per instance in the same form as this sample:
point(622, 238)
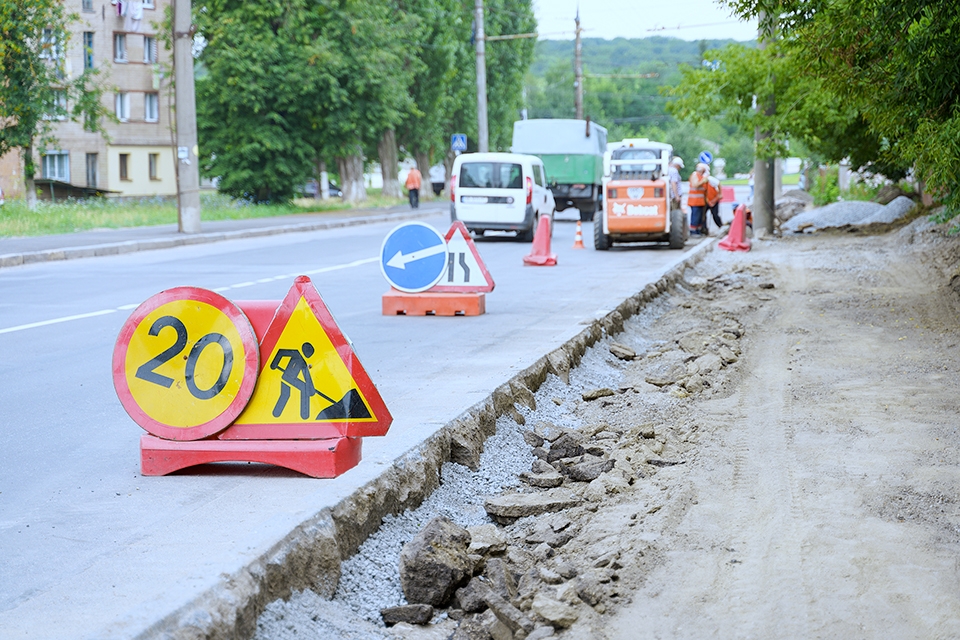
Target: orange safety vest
point(413, 179)
point(713, 194)
point(696, 196)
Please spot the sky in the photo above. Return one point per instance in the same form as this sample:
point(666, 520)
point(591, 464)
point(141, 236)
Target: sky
point(640, 19)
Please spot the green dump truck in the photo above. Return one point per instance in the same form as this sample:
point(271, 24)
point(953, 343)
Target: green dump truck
point(572, 153)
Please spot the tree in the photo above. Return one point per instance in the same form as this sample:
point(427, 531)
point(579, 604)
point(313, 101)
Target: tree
point(896, 64)
point(36, 90)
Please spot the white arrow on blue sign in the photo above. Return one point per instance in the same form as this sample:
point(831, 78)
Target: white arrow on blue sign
point(413, 257)
point(706, 157)
point(458, 142)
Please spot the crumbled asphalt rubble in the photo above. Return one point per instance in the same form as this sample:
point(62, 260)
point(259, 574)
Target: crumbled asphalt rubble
point(547, 534)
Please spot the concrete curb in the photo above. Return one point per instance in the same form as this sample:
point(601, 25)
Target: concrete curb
point(310, 556)
point(130, 246)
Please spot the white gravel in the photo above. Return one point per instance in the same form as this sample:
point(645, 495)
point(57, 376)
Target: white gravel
point(837, 214)
point(896, 209)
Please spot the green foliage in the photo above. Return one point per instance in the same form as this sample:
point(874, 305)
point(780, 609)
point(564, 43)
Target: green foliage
point(36, 90)
point(288, 83)
point(895, 64)
point(825, 186)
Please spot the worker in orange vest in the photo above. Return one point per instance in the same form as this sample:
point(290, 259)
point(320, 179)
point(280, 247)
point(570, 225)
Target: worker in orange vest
point(713, 196)
point(413, 187)
point(697, 200)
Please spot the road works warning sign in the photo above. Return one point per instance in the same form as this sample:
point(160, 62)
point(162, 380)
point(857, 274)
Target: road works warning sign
point(465, 271)
point(311, 383)
point(185, 363)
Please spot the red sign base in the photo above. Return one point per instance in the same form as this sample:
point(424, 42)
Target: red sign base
point(315, 458)
point(427, 303)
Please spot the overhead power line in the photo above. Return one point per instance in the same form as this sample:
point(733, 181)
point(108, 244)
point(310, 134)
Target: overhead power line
point(621, 75)
point(693, 26)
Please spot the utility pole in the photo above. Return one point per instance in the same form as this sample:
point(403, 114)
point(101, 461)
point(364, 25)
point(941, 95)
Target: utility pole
point(578, 72)
point(483, 137)
point(188, 174)
point(764, 205)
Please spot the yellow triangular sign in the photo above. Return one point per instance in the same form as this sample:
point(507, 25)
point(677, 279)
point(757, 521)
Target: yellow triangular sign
point(311, 383)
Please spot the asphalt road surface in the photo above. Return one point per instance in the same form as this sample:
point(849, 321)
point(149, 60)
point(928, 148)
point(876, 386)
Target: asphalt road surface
point(92, 549)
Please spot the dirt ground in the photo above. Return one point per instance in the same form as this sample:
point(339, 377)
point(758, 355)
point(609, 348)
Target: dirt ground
point(787, 461)
point(819, 494)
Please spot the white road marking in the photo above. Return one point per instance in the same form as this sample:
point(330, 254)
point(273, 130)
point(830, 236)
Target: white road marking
point(127, 307)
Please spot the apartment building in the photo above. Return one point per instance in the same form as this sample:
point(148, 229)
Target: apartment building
point(135, 158)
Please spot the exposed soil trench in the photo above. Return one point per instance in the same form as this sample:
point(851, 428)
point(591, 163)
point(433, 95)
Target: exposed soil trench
point(785, 464)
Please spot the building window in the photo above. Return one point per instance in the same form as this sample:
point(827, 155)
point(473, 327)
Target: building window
point(92, 169)
point(57, 110)
point(151, 107)
point(124, 166)
point(120, 47)
point(148, 4)
point(56, 166)
point(123, 107)
point(88, 6)
point(88, 49)
point(149, 50)
point(50, 46)
point(154, 161)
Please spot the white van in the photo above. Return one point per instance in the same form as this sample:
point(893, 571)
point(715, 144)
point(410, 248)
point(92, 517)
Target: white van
point(500, 192)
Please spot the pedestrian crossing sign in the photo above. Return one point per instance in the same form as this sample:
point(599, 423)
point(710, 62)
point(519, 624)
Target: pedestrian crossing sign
point(311, 383)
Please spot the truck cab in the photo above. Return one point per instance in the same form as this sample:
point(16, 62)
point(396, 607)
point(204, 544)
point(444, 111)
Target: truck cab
point(636, 205)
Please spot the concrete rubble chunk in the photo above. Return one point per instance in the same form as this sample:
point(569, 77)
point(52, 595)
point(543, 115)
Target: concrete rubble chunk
point(508, 507)
point(487, 539)
point(410, 613)
point(622, 351)
point(547, 480)
point(541, 466)
point(541, 632)
point(509, 615)
point(588, 469)
point(596, 394)
point(435, 563)
point(533, 439)
point(473, 596)
point(558, 614)
point(727, 355)
point(566, 446)
point(589, 589)
point(471, 628)
point(548, 431)
point(500, 579)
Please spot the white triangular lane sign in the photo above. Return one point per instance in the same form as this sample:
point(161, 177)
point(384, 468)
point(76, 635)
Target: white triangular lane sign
point(465, 271)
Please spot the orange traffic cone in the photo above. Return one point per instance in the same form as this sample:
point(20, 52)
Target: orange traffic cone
point(578, 239)
point(540, 256)
point(736, 239)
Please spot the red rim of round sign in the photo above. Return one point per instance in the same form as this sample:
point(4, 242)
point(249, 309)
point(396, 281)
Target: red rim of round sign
point(251, 364)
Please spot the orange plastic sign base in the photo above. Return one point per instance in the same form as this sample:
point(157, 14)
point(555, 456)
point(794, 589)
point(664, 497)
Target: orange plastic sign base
point(316, 458)
point(426, 303)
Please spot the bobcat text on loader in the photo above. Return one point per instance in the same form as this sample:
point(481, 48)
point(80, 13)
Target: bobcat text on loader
point(636, 206)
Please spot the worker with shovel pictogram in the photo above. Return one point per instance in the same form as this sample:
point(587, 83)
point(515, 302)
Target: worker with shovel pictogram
point(296, 375)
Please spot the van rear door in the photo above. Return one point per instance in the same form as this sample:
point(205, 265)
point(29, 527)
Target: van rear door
point(489, 191)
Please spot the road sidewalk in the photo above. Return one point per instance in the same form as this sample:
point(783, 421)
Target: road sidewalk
point(105, 242)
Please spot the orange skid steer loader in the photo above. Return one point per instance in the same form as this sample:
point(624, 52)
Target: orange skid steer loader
point(636, 198)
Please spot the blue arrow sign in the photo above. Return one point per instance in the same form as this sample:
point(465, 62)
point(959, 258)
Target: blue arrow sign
point(706, 157)
point(413, 257)
point(458, 142)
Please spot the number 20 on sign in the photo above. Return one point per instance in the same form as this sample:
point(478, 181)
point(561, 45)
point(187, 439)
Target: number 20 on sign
point(186, 363)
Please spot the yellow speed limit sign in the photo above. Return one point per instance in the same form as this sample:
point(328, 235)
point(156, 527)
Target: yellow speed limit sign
point(185, 363)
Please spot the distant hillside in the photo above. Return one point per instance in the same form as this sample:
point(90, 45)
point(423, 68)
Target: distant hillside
point(633, 102)
point(656, 54)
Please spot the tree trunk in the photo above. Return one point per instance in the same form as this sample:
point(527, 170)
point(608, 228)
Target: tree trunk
point(423, 163)
point(389, 165)
point(29, 170)
point(351, 176)
point(323, 182)
point(448, 171)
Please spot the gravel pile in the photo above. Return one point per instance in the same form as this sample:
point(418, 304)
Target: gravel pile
point(895, 210)
point(837, 214)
